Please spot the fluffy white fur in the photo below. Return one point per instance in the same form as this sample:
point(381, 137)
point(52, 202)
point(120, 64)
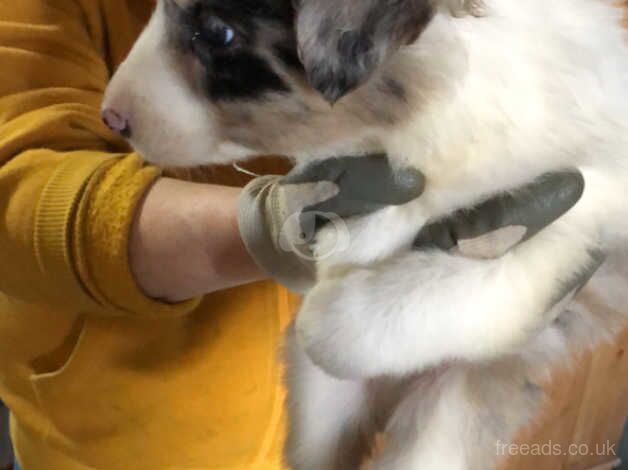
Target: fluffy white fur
point(539, 86)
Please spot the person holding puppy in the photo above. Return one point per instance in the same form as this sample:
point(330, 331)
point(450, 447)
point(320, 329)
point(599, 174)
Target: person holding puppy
point(137, 327)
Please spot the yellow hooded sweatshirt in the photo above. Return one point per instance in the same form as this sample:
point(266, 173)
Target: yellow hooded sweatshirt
point(97, 375)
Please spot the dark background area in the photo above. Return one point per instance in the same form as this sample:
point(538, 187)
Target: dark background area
point(623, 449)
point(6, 456)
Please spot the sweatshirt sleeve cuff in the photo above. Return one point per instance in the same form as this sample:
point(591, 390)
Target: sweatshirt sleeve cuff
point(103, 226)
point(53, 235)
point(82, 231)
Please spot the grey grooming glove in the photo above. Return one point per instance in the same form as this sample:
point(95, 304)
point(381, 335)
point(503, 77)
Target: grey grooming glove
point(492, 228)
point(279, 216)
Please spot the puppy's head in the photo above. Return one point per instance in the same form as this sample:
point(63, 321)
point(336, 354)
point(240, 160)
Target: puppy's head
point(213, 81)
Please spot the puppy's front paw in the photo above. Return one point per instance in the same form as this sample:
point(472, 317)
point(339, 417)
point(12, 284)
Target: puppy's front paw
point(335, 326)
point(363, 241)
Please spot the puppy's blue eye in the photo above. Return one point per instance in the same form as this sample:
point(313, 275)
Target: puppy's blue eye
point(228, 34)
point(221, 35)
point(216, 33)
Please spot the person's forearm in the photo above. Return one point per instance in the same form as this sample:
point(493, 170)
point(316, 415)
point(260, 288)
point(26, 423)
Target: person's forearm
point(185, 241)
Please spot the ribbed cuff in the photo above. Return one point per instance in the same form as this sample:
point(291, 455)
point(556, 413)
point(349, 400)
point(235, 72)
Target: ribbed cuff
point(55, 212)
point(260, 221)
point(103, 226)
point(82, 226)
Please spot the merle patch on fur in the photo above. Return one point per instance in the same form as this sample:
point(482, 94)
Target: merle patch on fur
point(344, 46)
point(392, 87)
point(287, 53)
point(242, 75)
point(234, 71)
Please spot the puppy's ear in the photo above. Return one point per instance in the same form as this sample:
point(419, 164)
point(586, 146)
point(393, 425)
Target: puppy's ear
point(342, 42)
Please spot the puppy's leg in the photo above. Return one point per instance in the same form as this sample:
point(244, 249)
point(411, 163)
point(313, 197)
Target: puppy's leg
point(461, 419)
point(328, 418)
point(422, 308)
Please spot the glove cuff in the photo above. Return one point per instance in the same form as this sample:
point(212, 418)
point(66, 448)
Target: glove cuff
point(260, 220)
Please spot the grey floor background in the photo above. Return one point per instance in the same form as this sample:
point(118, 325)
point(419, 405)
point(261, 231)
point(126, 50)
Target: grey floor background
point(623, 449)
point(6, 456)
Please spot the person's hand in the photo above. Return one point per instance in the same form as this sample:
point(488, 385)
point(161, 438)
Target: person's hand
point(186, 242)
point(475, 286)
point(279, 216)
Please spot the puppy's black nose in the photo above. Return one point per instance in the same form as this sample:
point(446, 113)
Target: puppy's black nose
point(117, 122)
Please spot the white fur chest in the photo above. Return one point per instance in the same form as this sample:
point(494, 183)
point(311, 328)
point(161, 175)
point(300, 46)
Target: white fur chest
point(518, 94)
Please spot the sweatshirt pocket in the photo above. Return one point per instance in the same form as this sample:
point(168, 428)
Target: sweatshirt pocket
point(63, 391)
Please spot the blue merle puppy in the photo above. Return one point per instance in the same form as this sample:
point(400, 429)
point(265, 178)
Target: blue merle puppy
point(235, 72)
point(439, 351)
